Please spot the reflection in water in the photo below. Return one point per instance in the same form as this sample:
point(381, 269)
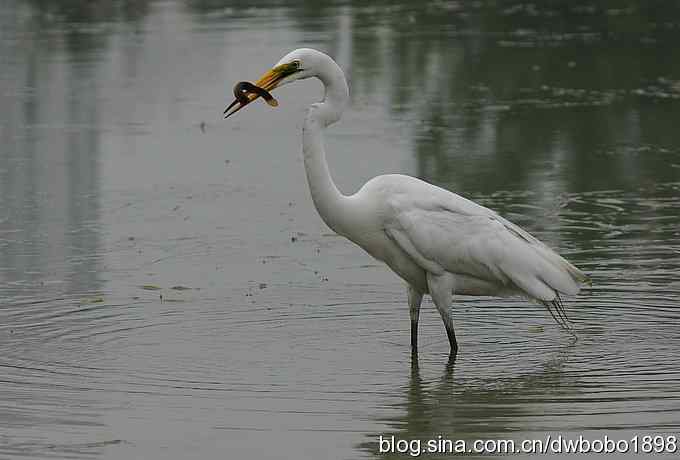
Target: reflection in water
point(460, 408)
point(571, 97)
point(50, 232)
point(49, 161)
point(562, 116)
point(499, 95)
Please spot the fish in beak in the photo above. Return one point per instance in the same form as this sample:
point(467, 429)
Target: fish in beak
point(245, 92)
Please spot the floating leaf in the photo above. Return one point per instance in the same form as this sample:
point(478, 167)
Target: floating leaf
point(92, 300)
point(150, 287)
point(181, 288)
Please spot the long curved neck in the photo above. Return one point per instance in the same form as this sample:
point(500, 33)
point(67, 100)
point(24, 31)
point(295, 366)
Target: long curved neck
point(329, 202)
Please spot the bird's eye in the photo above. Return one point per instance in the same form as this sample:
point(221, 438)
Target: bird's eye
point(295, 64)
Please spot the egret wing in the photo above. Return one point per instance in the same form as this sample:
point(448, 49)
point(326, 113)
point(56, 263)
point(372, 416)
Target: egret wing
point(473, 240)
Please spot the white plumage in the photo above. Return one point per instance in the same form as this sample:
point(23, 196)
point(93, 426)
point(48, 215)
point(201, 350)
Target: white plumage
point(438, 242)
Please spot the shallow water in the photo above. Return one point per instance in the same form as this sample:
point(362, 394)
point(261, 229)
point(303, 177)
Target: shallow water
point(167, 289)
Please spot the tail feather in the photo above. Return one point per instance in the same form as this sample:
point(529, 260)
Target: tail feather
point(557, 272)
point(556, 309)
point(548, 276)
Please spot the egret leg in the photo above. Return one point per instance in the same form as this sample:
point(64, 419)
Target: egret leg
point(414, 300)
point(441, 291)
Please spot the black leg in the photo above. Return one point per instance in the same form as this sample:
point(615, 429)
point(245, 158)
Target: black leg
point(414, 336)
point(452, 338)
point(450, 363)
point(441, 291)
point(448, 325)
point(414, 300)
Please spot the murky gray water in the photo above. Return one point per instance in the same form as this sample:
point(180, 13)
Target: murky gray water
point(168, 291)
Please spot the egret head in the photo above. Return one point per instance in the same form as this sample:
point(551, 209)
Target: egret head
point(296, 65)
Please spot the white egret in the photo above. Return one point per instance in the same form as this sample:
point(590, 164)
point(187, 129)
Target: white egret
point(440, 243)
